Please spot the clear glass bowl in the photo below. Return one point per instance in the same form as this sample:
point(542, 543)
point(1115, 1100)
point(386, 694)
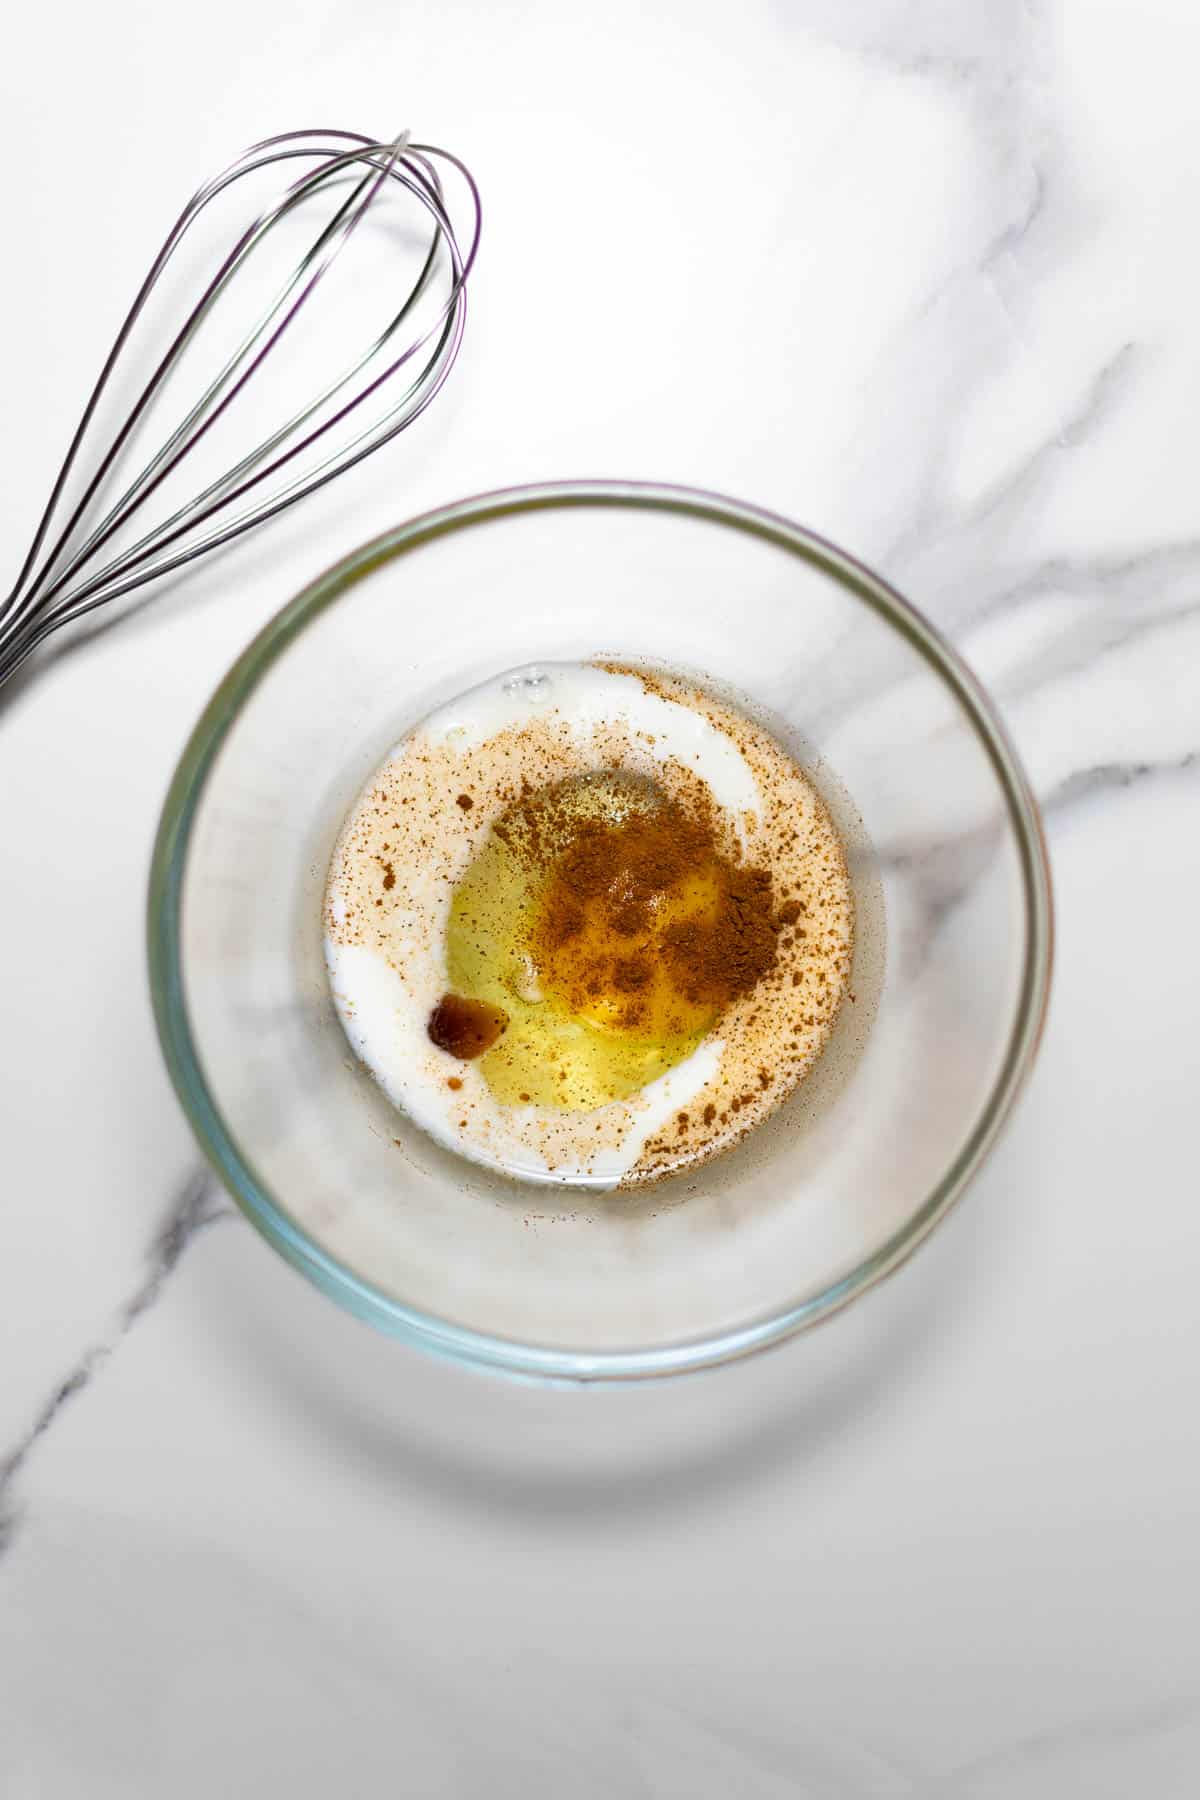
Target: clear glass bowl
point(950, 980)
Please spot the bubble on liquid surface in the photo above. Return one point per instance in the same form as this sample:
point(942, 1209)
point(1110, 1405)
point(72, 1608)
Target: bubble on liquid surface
point(530, 684)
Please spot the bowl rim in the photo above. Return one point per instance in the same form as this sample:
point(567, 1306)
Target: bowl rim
point(164, 944)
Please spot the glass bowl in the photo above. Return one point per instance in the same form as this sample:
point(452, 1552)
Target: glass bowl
point(952, 959)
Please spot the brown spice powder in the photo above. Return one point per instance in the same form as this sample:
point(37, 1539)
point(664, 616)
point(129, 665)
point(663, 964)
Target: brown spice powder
point(629, 878)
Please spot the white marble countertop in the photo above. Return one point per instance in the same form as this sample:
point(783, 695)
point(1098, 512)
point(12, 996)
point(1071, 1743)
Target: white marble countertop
point(920, 275)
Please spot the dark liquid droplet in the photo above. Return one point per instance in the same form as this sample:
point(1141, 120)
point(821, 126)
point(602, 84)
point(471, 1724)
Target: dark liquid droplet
point(465, 1028)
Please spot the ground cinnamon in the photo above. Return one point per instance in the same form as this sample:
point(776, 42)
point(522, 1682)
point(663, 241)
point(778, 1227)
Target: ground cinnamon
point(642, 921)
point(657, 897)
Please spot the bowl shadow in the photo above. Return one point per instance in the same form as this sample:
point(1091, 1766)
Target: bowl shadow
point(610, 1455)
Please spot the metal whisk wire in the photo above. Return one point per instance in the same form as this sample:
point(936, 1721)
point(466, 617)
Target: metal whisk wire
point(55, 591)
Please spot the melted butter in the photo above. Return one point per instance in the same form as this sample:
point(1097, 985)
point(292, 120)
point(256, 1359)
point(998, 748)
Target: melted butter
point(594, 1015)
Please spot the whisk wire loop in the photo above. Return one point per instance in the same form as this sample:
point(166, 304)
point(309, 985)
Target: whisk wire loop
point(55, 591)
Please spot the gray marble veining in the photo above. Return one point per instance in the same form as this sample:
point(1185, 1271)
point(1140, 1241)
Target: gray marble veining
point(957, 333)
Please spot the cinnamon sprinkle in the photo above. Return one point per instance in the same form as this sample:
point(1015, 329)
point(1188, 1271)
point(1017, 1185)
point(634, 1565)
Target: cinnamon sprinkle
point(648, 897)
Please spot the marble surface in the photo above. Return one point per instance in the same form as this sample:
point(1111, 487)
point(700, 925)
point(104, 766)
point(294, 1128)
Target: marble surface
point(922, 276)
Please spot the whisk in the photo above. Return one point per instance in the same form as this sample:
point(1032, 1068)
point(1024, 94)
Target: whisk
point(74, 566)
